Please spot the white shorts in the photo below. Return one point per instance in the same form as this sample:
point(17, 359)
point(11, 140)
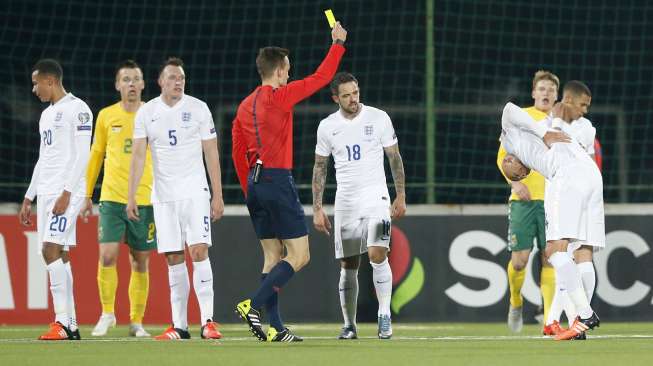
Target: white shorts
point(356, 230)
point(178, 222)
point(57, 229)
point(573, 205)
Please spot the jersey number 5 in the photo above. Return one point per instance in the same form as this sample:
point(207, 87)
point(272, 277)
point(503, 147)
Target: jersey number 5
point(173, 138)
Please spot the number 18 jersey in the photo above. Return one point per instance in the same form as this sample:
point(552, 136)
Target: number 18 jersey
point(357, 149)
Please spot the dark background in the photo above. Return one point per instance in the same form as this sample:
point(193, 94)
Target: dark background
point(485, 54)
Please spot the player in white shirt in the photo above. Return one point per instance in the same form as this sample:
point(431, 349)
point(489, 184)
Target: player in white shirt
point(573, 201)
point(577, 94)
point(179, 128)
point(357, 137)
point(58, 180)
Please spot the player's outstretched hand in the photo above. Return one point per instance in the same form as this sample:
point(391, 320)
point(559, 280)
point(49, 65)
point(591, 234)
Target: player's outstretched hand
point(87, 210)
point(551, 137)
point(321, 221)
point(132, 210)
point(521, 191)
point(61, 204)
point(398, 208)
point(25, 214)
point(338, 32)
point(217, 208)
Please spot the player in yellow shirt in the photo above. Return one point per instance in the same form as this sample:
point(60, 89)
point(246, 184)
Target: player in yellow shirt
point(112, 146)
point(526, 212)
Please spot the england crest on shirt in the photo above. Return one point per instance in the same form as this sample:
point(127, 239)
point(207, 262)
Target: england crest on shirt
point(185, 116)
point(368, 132)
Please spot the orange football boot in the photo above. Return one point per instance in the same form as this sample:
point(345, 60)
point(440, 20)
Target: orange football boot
point(553, 329)
point(173, 334)
point(57, 332)
point(210, 331)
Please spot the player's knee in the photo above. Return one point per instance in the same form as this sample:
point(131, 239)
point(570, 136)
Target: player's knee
point(350, 262)
point(305, 258)
point(50, 253)
point(174, 258)
point(518, 265)
point(199, 252)
point(549, 250)
point(108, 259)
point(298, 260)
point(377, 256)
point(139, 265)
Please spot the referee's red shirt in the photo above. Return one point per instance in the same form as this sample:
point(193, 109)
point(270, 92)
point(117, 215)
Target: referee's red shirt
point(274, 118)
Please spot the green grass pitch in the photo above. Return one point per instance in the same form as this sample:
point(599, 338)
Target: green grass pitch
point(613, 344)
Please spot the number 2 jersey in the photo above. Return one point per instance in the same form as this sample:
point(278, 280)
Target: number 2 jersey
point(357, 149)
point(175, 136)
point(65, 128)
point(112, 144)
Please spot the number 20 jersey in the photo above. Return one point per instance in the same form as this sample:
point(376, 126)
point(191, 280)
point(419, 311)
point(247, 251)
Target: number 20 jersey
point(59, 124)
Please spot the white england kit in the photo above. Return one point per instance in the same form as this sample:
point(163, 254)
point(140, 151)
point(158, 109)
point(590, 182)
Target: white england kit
point(65, 128)
point(362, 207)
point(180, 193)
point(573, 202)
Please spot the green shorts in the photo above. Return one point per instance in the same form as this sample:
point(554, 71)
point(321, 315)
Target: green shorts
point(526, 223)
point(115, 227)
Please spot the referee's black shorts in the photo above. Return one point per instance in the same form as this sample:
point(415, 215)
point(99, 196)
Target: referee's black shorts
point(274, 206)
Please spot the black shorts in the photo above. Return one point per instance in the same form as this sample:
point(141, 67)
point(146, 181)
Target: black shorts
point(274, 205)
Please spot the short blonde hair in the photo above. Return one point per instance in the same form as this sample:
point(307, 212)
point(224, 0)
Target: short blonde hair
point(546, 75)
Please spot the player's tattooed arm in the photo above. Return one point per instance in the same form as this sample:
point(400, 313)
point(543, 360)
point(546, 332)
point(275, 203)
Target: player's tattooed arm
point(397, 168)
point(319, 180)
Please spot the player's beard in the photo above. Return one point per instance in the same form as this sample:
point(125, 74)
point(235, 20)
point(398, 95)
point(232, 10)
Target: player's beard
point(352, 108)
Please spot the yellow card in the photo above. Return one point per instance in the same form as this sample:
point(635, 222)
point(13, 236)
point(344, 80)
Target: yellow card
point(330, 18)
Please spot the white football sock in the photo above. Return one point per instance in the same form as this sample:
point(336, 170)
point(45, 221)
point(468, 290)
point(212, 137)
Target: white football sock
point(569, 277)
point(59, 290)
point(559, 296)
point(179, 290)
point(348, 289)
point(203, 285)
point(72, 323)
point(382, 276)
point(588, 276)
point(570, 309)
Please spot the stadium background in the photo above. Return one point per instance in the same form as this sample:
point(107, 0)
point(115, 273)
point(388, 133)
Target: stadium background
point(442, 70)
point(484, 53)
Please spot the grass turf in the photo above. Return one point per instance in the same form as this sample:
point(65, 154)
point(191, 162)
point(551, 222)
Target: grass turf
point(412, 344)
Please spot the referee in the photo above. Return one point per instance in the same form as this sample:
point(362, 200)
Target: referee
point(262, 153)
